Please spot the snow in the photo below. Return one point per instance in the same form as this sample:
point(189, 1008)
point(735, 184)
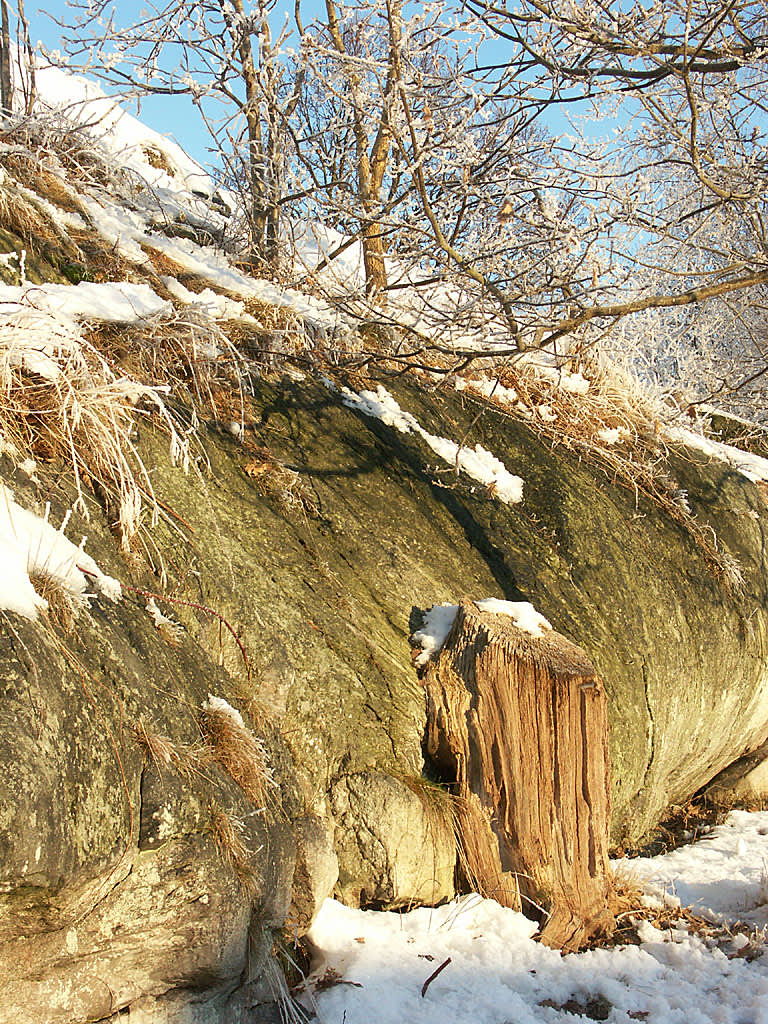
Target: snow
point(439, 619)
point(221, 706)
point(544, 364)
point(30, 546)
point(488, 388)
point(36, 340)
point(313, 242)
point(132, 236)
point(498, 973)
point(753, 467)
point(522, 613)
point(211, 303)
point(722, 875)
point(162, 622)
point(478, 463)
point(546, 413)
point(132, 144)
point(611, 435)
point(169, 188)
point(576, 383)
point(118, 302)
point(434, 630)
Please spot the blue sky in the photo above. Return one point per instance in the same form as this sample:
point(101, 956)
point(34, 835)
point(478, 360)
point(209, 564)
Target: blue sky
point(174, 116)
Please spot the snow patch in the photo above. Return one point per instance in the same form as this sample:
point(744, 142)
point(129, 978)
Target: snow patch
point(118, 302)
point(488, 388)
point(159, 161)
point(434, 630)
point(172, 630)
point(478, 463)
point(522, 613)
point(753, 467)
point(721, 876)
point(221, 706)
point(439, 619)
point(213, 305)
point(30, 547)
point(498, 973)
point(611, 435)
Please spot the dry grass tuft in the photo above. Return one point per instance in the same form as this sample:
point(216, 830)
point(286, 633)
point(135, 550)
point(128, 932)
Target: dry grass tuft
point(227, 832)
point(270, 316)
point(43, 176)
point(53, 142)
point(157, 159)
point(59, 397)
point(236, 750)
point(442, 810)
point(159, 749)
point(62, 607)
point(165, 266)
point(439, 803)
point(102, 262)
point(186, 352)
point(23, 215)
point(280, 332)
point(53, 162)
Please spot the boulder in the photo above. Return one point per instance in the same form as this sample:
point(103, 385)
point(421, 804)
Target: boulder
point(396, 841)
point(388, 531)
point(113, 885)
point(116, 880)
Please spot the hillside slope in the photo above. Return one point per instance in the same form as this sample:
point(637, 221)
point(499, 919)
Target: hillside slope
point(279, 524)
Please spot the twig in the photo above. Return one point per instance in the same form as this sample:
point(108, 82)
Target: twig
point(432, 976)
point(199, 607)
point(186, 604)
point(166, 508)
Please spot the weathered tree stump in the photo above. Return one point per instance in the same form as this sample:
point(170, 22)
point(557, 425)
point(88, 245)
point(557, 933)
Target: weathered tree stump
point(519, 723)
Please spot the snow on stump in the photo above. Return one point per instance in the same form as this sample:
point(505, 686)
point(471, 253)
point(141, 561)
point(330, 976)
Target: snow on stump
point(518, 719)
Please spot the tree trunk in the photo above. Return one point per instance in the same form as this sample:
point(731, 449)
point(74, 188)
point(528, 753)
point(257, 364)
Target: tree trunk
point(6, 85)
point(30, 84)
point(370, 167)
point(256, 161)
point(519, 724)
point(373, 261)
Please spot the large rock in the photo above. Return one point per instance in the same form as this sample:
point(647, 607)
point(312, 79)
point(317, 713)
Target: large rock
point(116, 880)
point(339, 586)
point(396, 842)
point(113, 889)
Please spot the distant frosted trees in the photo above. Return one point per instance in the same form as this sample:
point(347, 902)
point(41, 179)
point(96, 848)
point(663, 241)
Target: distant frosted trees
point(558, 166)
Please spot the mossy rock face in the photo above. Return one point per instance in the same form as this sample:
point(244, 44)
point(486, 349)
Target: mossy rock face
point(40, 267)
point(323, 572)
point(327, 598)
point(749, 437)
point(113, 883)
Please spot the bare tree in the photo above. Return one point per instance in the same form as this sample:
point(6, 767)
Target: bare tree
point(371, 131)
point(12, 45)
point(408, 123)
point(484, 180)
point(687, 78)
point(557, 228)
point(227, 60)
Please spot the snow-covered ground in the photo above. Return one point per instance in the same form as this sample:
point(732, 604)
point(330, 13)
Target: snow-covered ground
point(371, 967)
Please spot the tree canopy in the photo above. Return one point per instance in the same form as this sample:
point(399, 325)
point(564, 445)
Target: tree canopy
point(557, 168)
